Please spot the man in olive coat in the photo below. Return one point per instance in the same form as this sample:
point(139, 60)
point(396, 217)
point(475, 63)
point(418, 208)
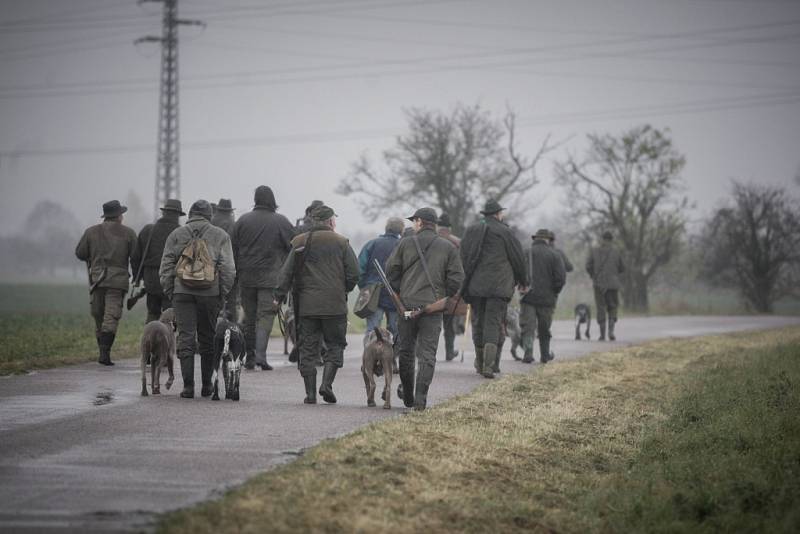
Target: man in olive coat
point(568, 267)
point(548, 275)
point(148, 258)
point(321, 269)
point(495, 263)
point(448, 321)
point(261, 241)
point(605, 266)
point(423, 268)
point(196, 309)
point(223, 218)
point(107, 249)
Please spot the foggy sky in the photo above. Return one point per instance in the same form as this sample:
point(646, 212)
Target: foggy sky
point(288, 94)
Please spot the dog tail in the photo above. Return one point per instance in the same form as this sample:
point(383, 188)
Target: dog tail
point(378, 334)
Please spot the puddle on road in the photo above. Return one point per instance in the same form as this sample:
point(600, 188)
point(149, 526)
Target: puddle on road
point(103, 397)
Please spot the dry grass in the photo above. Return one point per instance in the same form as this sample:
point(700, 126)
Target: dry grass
point(524, 453)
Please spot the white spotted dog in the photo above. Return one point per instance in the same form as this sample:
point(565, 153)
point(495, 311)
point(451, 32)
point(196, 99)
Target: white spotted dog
point(230, 351)
point(583, 315)
point(376, 361)
point(158, 351)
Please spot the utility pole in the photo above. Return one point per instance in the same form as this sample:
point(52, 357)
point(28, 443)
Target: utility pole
point(168, 183)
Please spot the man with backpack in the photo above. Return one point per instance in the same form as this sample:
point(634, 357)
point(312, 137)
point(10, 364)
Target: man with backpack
point(197, 272)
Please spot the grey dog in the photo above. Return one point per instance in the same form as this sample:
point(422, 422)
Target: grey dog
point(376, 361)
point(158, 350)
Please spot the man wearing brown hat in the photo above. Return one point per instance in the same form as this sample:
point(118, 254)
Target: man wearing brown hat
point(147, 261)
point(223, 218)
point(547, 275)
point(448, 321)
point(494, 265)
point(262, 239)
point(197, 294)
point(321, 269)
point(605, 266)
point(422, 269)
point(108, 249)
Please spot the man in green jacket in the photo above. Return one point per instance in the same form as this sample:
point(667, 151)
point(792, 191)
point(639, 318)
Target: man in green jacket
point(322, 269)
point(107, 249)
point(605, 266)
point(495, 263)
point(422, 269)
point(547, 275)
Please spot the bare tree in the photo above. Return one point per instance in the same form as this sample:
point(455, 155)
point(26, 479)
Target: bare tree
point(631, 185)
point(453, 162)
point(753, 244)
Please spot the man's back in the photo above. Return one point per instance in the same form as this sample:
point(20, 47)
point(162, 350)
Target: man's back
point(604, 266)
point(547, 274)
point(108, 247)
point(499, 266)
point(261, 241)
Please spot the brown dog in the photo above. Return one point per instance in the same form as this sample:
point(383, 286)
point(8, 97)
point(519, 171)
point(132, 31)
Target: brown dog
point(377, 361)
point(158, 350)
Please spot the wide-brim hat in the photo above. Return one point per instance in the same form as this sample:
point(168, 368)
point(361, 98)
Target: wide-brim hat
point(444, 220)
point(224, 204)
point(491, 207)
point(542, 233)
point(323, 213)
point(172, 204)
point(426, 214)
point(113, 208)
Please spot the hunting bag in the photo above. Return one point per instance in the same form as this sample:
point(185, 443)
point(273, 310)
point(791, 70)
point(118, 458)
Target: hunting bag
point(196, 269)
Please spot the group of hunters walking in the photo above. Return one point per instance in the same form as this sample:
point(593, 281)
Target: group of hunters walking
point(209, 265)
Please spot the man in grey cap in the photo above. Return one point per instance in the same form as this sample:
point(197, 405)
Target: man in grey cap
point(495, 263)
point(321, 269)
point(448, 321)
point(546, 272)
point(261, 241)
point(148, 258)
point(605, 266)
point(197, 299)
point(107, 248)
point(422, 269)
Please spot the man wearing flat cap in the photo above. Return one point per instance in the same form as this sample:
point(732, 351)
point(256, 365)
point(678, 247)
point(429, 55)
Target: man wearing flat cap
point(320, 270)
point(605, 266)
point(261, 241)
point(197, 302)
point(108, 249)
point(147, 261)
point(448, 321)
point(547, 275)
point(494, 264)
point(223, 218)
point(422, 269)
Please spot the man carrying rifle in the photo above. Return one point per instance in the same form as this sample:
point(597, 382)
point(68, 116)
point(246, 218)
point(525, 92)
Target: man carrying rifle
point(147, 261)
point(423, 269)
point(107, 249)
point(495, 264)
point(321, 270)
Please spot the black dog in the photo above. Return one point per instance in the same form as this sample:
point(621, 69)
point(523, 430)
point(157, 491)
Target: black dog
point(230, 350)
point(583, 314)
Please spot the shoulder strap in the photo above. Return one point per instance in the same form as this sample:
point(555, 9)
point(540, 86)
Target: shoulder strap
point(425, 263)
point(302, 260)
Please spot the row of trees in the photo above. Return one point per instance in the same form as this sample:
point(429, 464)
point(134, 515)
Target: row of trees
point(630, 184)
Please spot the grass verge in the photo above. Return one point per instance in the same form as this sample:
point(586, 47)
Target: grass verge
point(678, 435)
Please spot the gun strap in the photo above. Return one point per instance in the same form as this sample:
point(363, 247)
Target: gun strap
point(425, 263)
point(139, 270)
point(473, 265)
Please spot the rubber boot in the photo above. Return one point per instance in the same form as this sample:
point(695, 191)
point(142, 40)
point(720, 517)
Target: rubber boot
point(187, 373)
point(424, 379)
point(478, 360)
point(326, 389)
point(311, 389)
point(611, 323)
point(250, 360)
point(105, 342)
point(527, 343)
point(489, 355)
point(544, 348)
point(406, 388)
point(602, 330)
point(496, 366)
point(262, 340)
point(206, 372)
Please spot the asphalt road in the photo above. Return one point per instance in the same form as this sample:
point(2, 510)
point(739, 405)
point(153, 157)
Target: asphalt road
point(81, 451)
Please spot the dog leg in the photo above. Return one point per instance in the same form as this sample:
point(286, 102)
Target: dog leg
point(144, 374)
point(387, 385)
point(155, 375)
point(577, 327)
point(215, 382)
point(370, 399)
point(171, 379)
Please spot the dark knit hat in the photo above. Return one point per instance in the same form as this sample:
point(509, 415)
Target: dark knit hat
point(426, 214)
point(202, 208)
point(491, 207)
point(113, 208)
point(264, 197)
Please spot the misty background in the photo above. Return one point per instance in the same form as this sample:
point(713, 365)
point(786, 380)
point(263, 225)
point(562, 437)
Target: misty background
point(291, 94)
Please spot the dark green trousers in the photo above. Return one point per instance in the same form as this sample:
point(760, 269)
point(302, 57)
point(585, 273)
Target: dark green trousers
point(488, 315)
point(607, 302)
point(311, 331)
point(106, 309)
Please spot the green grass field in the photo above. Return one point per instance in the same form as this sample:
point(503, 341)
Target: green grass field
point(697, 435)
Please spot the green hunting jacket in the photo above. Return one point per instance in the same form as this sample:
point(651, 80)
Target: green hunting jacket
point(219, 246)
point(108, 246)
point(605, 266)
point(328, 273)
point(501, 264)
point(547, 274)
point(407, 276)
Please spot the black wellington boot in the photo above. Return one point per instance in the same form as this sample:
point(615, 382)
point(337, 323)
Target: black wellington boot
point(326, 389)
point(187, 373)
point(311, 389)
point(602, 330)
point(105, 341)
